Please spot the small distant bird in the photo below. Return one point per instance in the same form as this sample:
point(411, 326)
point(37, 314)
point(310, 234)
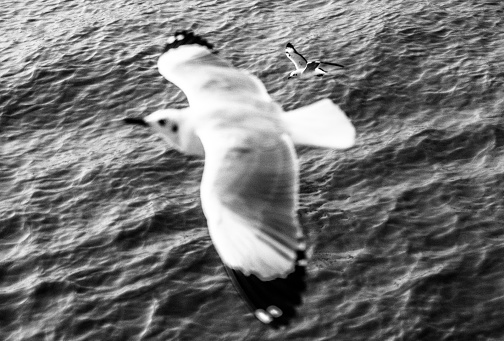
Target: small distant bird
point(249, 190)
point(305, 69)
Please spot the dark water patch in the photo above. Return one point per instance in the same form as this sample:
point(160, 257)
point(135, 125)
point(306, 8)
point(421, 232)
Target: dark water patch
point(492, 264)
point(453, 294)
point(93, 278)
point(163, 223)
point(46, 292)
point(8, 317)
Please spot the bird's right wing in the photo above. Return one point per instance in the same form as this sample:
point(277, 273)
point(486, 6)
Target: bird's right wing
point(295, 57)
point(189, 62)
point(321, 124)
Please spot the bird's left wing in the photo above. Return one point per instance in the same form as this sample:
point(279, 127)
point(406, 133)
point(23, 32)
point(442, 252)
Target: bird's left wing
point(190, 63)
point(249, 194)
point(295, 57)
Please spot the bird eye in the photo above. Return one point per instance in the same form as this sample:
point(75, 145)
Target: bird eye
point(174, 128)
point(162, 122)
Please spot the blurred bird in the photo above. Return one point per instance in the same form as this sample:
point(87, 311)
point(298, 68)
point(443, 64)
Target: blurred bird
point(249, 189)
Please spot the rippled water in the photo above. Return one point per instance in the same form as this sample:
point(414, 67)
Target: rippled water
point(102, 236)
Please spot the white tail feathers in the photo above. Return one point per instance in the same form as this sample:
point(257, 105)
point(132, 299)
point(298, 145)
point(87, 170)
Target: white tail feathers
point(321, 124)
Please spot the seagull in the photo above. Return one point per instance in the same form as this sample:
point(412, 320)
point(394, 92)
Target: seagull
point(305, 69)
point(249, 188)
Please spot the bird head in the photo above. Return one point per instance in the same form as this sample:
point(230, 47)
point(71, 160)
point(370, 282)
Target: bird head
point(294, 74)
point(169, 123)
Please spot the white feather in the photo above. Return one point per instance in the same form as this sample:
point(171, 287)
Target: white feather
point(321, 124)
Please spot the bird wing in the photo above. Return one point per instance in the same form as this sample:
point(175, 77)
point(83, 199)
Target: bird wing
point(249, 194)
point(311, 66)
point(295, 57)
point(188, 61)
point(324, 64)
point(320, 124)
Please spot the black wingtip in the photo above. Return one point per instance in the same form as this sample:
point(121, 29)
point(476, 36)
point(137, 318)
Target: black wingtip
point(185, 37)
point(334, 64)
point(289, 45)
point(134, 120)
point(273, 302)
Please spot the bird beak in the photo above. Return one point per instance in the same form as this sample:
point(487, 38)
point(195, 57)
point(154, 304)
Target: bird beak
point(137, 121)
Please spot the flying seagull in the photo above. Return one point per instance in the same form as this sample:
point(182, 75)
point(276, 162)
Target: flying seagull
point(249, 189)
point(305, 69)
